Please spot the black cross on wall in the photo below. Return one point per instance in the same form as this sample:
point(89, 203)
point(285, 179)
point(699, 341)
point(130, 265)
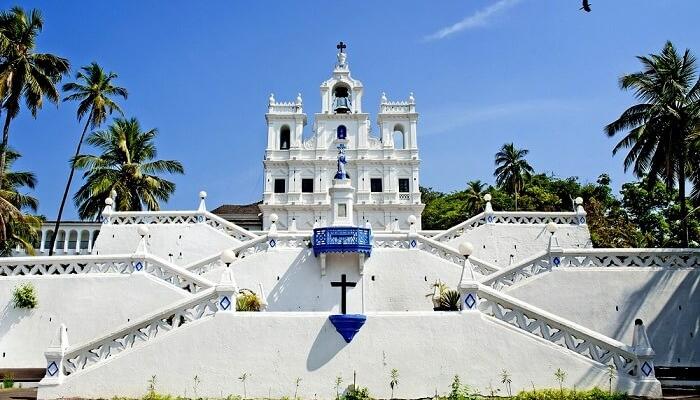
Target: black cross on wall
point(343, 284)
point(341, 46)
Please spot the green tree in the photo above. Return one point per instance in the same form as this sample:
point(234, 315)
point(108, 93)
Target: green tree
point(474, 197)
point(512, 170)
point(658, 128)
point(16, 227)
point(25, 74)
point(127, 166)
point(94, 90)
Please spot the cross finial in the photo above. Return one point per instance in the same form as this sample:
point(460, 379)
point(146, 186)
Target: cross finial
point(341, 46)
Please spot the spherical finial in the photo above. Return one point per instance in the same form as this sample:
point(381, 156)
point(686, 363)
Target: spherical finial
point(412, 219)
point(411, 99)
point(298, 98)
point(487, 197)
point(142, 230)
point(383, 99)
point(271, 100)
point(578, 201)
point(227, 256)
point(273, 218)
point(466, 249)
point(202, 195)
point(109, 201)
point(113, 194)
point(551, 227)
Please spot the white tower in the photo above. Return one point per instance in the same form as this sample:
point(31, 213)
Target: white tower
point(382, 169)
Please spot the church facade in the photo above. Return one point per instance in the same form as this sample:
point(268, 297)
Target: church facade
point(384, 168)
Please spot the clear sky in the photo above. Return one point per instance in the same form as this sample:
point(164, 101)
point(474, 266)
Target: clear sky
point(539, 73)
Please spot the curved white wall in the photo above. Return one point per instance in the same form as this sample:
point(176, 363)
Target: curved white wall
point(89, 306)
point(608, 300)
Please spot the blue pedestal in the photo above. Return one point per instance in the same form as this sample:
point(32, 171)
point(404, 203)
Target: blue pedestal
point(348, 324)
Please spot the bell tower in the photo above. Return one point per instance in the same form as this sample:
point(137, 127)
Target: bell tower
point(341, 94)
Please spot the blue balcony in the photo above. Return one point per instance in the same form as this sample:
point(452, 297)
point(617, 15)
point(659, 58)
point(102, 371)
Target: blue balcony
point(342, 239)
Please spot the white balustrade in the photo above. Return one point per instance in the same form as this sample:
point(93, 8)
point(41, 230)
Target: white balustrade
point(134, 335)
point(179, 217)
point(104, 264)
point(559, 331)
point(459, 229)
point(593, 258)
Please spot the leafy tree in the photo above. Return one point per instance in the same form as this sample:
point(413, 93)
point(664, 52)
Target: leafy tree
point(16, 227)
point(94, 90)
point(512, 170)
point(25, 74)
point(658, 128)
point(126, 166)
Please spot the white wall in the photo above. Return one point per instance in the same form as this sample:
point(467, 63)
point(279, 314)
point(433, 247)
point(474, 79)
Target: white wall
point(496, 243)
point(608, 300)
point(89, 305)
point(275, 349)
point(402, 278)
point(186, 242)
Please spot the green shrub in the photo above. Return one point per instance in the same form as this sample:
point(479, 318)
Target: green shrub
point(567, 394)
point(449, 300)
point(461, 392)
point(24, 296)
point(247, 300)
point(359, 393)
point(8, 380)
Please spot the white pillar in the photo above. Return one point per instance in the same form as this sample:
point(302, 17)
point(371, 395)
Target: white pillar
point(54, 358)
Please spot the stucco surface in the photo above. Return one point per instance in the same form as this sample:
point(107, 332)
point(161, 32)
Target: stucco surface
point(275, 349)
point(608, 300)
point(507, 244)
point(394, 279)
point(89, 306)
point(186, 242)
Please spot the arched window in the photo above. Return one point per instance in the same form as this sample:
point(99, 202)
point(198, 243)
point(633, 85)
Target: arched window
point(284, 138)
point(342, 132)
point(72, 240)
point(341, 99)
point(399, 137)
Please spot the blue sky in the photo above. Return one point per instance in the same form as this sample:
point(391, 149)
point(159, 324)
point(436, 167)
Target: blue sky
point(484, 72)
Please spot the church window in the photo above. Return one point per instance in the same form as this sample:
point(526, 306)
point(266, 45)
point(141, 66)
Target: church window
point(284, 138)
point(342, 132)
point(342, 210)
point(375, 184)
point(404, 185)
point(280, 186)
point(399, 137)
point(307, 185)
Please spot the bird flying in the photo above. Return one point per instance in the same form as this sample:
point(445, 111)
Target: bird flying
point(586, 6)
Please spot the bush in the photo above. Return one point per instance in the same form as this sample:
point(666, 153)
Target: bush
point(567, 394)
point(248, 301)
point(24, 296)
point(360, 393)
point(8, 380)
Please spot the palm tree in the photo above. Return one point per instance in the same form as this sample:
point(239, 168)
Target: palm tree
point(659, 127)
point(94, 90)
point(25, 74)
point(512, 170)
point(126, 166)
point(16, 227)
point(474, 193)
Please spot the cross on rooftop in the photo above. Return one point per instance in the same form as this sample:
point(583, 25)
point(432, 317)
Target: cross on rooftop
point(341, 46)
point(344, 285)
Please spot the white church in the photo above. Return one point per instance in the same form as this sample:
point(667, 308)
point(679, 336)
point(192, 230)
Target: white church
point(348, 286)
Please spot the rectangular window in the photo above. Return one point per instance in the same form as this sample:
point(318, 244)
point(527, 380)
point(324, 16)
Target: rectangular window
point(403, 185)
point(342, 210)
point(280, 186)
point(307, 185)
point(375, 184)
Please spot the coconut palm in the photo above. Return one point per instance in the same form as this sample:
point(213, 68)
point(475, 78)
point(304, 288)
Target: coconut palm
point(126, 165)
point(16, 227)
point(474, 194)
point(94, 90)
point(512, 169)
point(25, 74)
point(658, 128)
